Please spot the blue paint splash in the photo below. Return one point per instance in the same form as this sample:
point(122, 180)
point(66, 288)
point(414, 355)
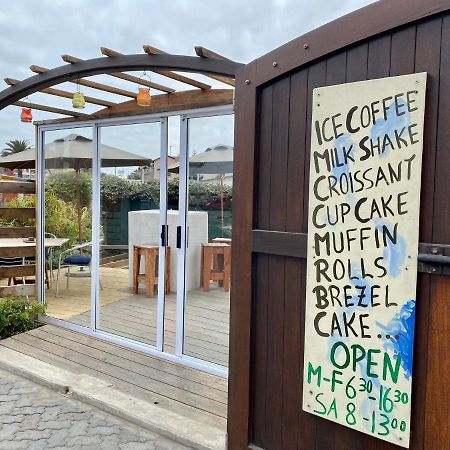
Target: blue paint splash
point(386, 127)
point(394, 254)
point(402, 325)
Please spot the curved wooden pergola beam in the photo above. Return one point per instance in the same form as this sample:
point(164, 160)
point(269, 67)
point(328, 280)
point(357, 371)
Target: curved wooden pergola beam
point(107, 65)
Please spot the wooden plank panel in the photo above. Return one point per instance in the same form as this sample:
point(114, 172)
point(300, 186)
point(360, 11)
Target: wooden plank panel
point(261, 274)
point(357, 63)
point(275, 307)
point(241, 269)
point(17, 213)
point(17, 232)
point(11, 252)
point(441, 216)
point(292, 351)
point(264, 158)
point(420, 362)
point(316, 78)
point(20, 289)
point(437, 409)
point(427, 59)
point(437, 427)
point(279, 159)
point(18, 271)
point(297, 150)
point(18, 187)
point(428, 56)
point(403, 49)
point(378, 63)
point(306, 423)
point(259, 350)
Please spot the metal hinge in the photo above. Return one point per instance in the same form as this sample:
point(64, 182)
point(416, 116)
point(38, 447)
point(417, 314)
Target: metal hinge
point(434, 258)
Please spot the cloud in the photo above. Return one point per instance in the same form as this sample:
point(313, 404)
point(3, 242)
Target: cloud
point(38, 32)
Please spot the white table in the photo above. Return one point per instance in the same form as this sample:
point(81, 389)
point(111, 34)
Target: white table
point(20, 242)
point(144, 228)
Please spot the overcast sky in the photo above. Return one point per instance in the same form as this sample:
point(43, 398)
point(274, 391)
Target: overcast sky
point(39, 31)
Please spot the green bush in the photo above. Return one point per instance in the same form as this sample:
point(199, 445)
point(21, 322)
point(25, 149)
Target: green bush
point(64, 184)
point(113, 189)
point(61, 218)
point(18, 314)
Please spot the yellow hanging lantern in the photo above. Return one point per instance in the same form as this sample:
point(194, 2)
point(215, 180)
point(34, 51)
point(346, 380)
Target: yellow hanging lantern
point(144, 97)
point(78, 100)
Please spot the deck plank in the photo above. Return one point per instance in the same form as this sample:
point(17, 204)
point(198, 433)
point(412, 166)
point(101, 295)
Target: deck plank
point(134, 316)
point(33, 346)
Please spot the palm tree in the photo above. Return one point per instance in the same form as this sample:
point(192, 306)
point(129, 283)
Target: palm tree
point(15, 146)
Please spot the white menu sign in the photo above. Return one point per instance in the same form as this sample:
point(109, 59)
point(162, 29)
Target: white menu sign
point(366, 155)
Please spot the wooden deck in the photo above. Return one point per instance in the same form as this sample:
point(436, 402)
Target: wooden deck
point(189, 392)
point(134, 316)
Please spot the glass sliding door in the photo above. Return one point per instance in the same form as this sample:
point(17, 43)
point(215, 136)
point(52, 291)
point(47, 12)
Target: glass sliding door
point(67, 158)
point(206, 204)
point(132, 231)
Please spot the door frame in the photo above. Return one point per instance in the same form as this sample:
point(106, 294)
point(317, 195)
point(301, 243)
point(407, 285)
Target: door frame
point(93, 330)
point(183, 208)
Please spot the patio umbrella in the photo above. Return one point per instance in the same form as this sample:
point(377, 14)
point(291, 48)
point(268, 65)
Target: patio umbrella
point(76, 152)
point(214, 160)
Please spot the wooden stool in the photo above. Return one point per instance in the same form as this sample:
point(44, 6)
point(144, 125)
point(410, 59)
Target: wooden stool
point(213, 269)
point(150, 254)
point(219, 264)
point(222, 240)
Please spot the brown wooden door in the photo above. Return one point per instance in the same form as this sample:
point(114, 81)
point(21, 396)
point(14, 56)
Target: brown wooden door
point(271, 175)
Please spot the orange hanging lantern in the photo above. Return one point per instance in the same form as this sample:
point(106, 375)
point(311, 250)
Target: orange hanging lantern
point(26, 115)
point(144, 97)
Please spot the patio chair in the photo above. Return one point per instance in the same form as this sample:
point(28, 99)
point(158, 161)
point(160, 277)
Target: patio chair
point(68, 260)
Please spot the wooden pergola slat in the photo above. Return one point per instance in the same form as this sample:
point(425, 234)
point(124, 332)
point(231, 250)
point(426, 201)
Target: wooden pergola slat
point(156, 51)
point(51, 109)
point(65, 94)
point(207, 53)
point(89, 83)
point(203, 52)
point(175, 76)
point(124, 76)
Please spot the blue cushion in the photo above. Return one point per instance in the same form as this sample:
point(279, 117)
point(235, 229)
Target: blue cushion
point(78, 260)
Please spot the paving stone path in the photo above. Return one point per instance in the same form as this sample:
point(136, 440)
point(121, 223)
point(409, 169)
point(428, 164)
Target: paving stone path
point(33, 417)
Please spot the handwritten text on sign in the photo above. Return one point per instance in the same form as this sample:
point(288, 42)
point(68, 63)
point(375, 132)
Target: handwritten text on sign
point(366, 153)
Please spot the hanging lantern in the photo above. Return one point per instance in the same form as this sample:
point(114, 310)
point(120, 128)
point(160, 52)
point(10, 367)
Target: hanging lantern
point(26, 115)
point(78, 100)
point(144, 97)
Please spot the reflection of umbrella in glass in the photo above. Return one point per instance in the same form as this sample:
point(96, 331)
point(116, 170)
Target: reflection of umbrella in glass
point(76, 152)
point(214, 160)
